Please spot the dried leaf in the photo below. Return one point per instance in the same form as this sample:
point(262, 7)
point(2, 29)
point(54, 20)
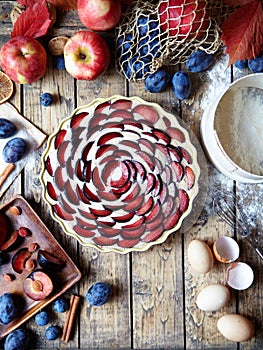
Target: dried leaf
point(64, 5)
point(33, 22)
point(242, 32)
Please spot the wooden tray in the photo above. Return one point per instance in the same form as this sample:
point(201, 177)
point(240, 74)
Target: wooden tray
point(65, 279)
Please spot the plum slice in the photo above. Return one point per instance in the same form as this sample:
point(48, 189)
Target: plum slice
point(13, 241)
point(62, 213)
point(185, 154)
point(19, 260)
point(108, 137)
point(161, 135)
point(179, 170)
point(176, 133)
point(50, 262)
point(83, 231)
point(59, 138)
point(153, 235)
point(121, 104)
point(172, 220)
point(48, 166)
point(51, 191)
point(147, 112)
point(77, 119)
point(148, 159)
point(105, 240)
point(190, 177)
point(115, 174)
point(38, 285)
point(4, 228)
point(183, 200)
point(85, 153)
point(62, 154)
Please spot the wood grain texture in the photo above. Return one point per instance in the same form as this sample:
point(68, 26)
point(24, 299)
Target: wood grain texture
point(153, 304)
point(109, 324)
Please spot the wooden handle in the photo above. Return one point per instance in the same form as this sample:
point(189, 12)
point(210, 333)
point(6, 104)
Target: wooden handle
point(6, 172)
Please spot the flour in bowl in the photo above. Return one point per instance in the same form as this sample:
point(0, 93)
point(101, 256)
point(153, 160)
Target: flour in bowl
point(239, 125)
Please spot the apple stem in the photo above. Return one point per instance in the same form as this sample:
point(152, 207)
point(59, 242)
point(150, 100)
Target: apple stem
point(82, 56)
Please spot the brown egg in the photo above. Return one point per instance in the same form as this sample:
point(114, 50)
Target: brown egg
point(235, 327)
point(200, 256)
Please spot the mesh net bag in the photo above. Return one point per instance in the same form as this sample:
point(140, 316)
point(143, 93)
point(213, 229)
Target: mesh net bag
point(154, 33)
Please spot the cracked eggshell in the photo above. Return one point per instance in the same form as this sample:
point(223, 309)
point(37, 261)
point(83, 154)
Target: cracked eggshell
point(213, 297)
point(235, 327)
point(226, 249)
point(239, 276)
point(200, 256)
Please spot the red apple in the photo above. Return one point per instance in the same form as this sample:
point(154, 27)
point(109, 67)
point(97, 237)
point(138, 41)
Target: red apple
point(184, 18)
point(87, 55)
point(23, 59)
point(99, 15)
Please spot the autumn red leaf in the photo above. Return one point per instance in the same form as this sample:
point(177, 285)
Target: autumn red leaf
point(237, 3)
point(27, 3)
point(64, 5)
point(33, 22)
point(242, 32)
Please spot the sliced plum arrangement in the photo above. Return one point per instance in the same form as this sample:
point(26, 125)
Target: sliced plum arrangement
point(120, 173)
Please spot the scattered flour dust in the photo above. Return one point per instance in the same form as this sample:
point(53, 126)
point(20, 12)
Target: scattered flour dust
point(239, 125)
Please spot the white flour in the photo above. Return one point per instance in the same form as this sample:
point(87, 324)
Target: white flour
point(239, 124)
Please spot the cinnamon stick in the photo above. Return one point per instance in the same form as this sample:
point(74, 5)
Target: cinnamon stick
point(6, 172)
point(71, 317)
point(65, 329)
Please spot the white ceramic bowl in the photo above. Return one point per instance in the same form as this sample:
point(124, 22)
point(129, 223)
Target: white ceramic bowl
point(235, 144)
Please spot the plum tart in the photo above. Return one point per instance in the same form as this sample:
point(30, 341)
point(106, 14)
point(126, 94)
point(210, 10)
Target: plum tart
point(120, 174)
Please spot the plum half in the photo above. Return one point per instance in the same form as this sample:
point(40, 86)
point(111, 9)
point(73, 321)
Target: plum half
point(50, 262)
point(38, 285)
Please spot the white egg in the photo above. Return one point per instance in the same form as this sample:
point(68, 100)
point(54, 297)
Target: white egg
point(213, 297)
point(200, 256)
point(235, 327)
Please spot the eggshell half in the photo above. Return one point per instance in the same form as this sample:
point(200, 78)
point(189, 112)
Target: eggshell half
point(200, 256)
point(213, 297)
point(226, 249)
point(235, 327)
point(239, 275)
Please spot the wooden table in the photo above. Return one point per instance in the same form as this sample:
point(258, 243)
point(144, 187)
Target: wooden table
point(154, 292)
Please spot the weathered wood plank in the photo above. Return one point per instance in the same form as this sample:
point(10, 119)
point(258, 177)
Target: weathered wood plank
point(157, 280)
point(201, 331)
point(250, 199)
point(109, 325)
point(61, 85)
